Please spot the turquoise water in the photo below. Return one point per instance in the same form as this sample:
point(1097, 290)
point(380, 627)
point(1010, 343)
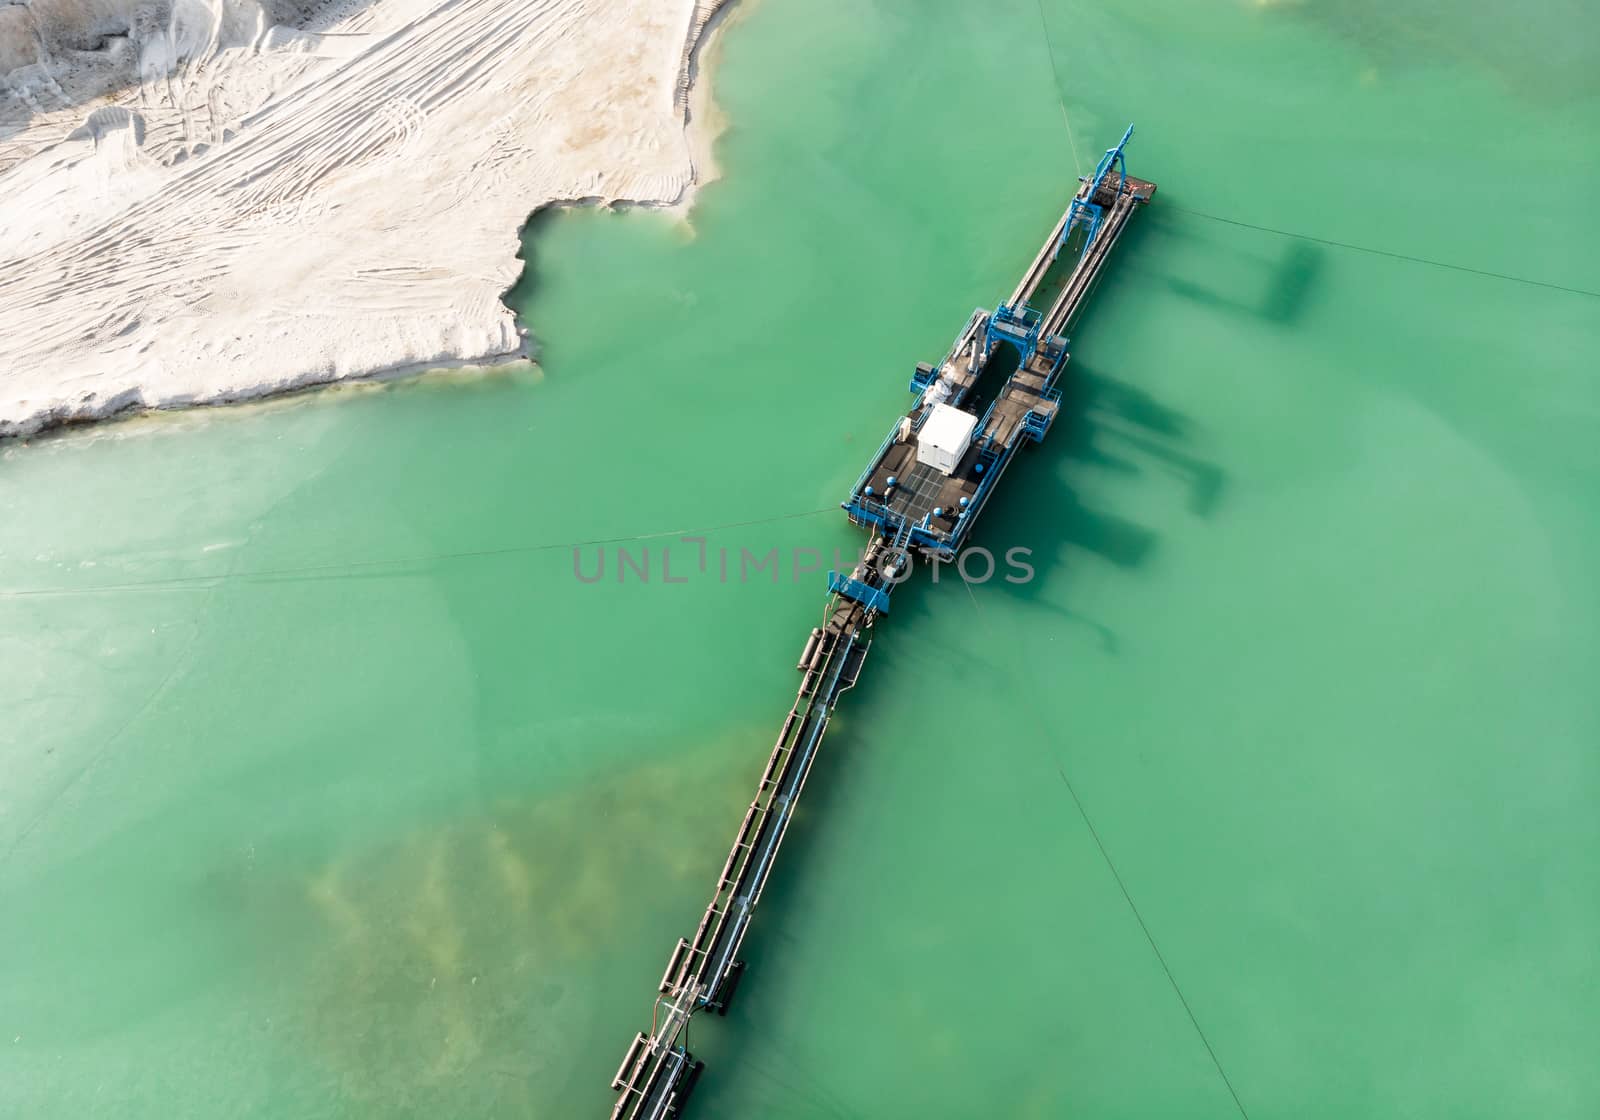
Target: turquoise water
point(347, 799)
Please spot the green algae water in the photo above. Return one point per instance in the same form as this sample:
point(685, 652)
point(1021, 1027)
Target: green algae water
point(328, 788)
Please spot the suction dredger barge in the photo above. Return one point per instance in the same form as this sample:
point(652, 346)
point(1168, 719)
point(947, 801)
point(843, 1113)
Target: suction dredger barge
point(994, 391)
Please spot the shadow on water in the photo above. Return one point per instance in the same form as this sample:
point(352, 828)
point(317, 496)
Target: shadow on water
point(1104, 422)
point(1106, 419)
point(1275, 288)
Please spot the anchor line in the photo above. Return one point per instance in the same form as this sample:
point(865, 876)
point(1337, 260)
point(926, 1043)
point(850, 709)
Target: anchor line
point(1127, 897)
point(1066, 119)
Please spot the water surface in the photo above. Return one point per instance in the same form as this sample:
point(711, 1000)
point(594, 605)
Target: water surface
point(344, 798)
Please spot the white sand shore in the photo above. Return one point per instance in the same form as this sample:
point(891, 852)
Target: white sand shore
point(268, 208)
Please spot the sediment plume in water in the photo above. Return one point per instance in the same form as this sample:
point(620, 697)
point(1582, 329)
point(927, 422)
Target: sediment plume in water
point(459, 949)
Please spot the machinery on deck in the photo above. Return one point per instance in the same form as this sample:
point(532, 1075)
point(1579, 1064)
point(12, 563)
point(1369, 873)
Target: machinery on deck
point(912, 496)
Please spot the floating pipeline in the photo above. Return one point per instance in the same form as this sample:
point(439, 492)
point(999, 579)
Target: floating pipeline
point(994, 392)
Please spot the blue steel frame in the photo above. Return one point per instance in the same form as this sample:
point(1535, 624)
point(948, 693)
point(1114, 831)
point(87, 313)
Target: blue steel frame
point(1085, 204)
point(1020, 327)
point(873, 598)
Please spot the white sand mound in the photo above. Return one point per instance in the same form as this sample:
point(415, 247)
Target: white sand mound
point(266, 207)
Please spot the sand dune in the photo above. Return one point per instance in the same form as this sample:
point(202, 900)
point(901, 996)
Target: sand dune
point(266, 207)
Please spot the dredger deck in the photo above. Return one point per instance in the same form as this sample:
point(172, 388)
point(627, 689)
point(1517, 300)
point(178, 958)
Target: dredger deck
point(1002, 373)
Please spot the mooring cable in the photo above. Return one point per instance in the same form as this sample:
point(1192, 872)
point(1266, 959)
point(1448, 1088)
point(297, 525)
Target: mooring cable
point(333, 570)
point(1384, 252)
point(1050, 53)
point(1122, 886)
point(1077, 163)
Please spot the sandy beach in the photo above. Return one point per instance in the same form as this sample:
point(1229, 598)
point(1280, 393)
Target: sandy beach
point(220, 206)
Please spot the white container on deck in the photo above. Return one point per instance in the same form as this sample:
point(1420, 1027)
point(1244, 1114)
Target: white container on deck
point(944, 437)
